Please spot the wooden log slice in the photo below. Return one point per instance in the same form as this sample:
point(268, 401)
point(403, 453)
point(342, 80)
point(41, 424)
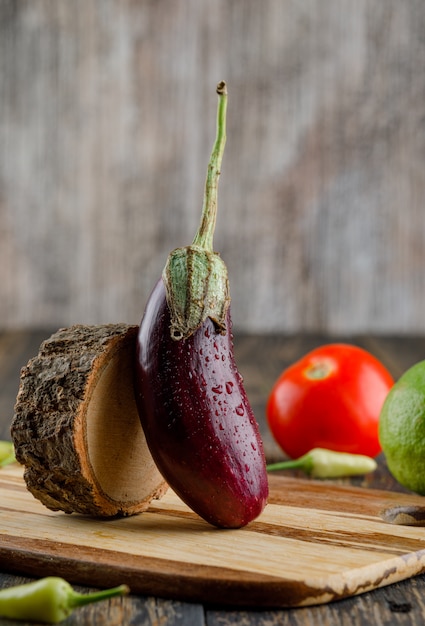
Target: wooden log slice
point(76, 427)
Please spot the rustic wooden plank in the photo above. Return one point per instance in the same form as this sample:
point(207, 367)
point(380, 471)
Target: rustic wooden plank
point(106, 124)
point(168, 613)
point(390, 606)
point(399, 604)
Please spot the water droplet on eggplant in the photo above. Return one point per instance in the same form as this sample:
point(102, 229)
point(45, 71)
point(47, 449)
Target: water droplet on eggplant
point(229, 387)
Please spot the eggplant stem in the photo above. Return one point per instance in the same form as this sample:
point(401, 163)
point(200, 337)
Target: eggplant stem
point(205, 234)
point(195, 277)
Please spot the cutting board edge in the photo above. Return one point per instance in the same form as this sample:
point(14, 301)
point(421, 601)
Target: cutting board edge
point(268, 592)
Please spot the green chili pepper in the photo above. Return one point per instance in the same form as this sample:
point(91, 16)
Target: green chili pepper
point(7, 453)
point(49, 600)
point(321, 463)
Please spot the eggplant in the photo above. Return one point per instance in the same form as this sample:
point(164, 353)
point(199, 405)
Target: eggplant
point(197, 419)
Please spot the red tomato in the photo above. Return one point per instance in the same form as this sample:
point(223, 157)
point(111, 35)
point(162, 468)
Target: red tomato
point(331, 398)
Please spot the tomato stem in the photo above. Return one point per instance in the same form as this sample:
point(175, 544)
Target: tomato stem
point(318, 371)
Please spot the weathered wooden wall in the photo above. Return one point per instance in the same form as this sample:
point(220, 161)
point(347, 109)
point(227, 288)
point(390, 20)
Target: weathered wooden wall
point(107, 118)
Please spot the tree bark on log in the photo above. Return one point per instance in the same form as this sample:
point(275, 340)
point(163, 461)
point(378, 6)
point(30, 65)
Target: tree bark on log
point(76, 427)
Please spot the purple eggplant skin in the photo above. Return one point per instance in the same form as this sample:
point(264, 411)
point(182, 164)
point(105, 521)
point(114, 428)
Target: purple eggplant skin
point(197, 419)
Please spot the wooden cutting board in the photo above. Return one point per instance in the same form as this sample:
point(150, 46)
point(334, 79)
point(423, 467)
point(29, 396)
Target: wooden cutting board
point(315, 542)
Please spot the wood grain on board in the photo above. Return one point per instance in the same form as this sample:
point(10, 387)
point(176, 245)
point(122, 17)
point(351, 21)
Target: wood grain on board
point(315, 543)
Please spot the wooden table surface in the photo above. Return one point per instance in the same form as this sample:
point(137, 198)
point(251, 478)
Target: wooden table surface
point(260, 359)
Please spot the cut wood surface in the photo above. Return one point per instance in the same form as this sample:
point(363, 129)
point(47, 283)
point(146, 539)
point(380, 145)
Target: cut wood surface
point(315, 543)
point(76, 427)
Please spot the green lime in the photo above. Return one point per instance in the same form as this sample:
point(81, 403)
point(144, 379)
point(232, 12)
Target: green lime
point(402, 429)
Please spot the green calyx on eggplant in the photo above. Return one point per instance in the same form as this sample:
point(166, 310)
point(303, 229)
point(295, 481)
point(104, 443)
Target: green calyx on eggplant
point(193, 407)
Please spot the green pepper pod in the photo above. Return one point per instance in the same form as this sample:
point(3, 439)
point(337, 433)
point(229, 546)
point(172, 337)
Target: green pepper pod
point(322, 463)
point(7, 453)
point(49, 600)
